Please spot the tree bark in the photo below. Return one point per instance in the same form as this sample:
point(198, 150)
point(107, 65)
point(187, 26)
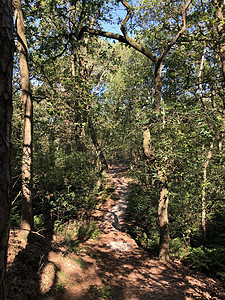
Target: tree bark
point(26, 205)
point(163, 216)
point(163, 198)
point(6, 64)
point(158, 87)
point(162, 177)
point(209, 155)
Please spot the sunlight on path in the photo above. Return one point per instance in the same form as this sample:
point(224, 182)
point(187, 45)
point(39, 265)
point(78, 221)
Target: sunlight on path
point(116, 215)
point(115, 218)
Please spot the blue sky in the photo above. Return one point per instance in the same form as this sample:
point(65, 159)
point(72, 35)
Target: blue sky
point(120, 12)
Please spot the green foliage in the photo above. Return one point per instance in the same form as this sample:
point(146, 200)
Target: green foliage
point(178, 248)
point(210, 260)
point(39, 221)
point(142, 213)
point(100, 292)
point(73, 233)
point(15, 217)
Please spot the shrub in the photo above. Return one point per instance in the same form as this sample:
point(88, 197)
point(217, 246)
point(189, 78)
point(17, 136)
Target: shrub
point(207, 260)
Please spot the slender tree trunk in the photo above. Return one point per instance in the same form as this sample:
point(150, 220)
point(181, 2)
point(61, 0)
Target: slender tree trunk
point(163, 184)
point(164, 243)
point(100, 154)
point(209, 155)
point(6, 64)
point(26, 205)
point(158, 86)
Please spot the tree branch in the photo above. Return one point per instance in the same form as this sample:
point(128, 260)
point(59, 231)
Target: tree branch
point(130, 42)
point(174, 40)
point(123, 24)
point(126, 39)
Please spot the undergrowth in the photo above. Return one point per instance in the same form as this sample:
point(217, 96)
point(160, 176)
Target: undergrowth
point(73, 233)
point(187, 243)
point(100, 292)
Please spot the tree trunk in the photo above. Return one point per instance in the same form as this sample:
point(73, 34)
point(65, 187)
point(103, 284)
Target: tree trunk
point(158, 87)
point(6, 63)
point(209, 155)
point(163, 186)
point(203, 221)
point(26, 205)
point(164, 243)
point(99, 153)
point(163, 199)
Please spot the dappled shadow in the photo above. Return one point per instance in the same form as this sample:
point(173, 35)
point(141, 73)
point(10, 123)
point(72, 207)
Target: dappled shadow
point(113, 261)
point(24, 276)
point(132, 275)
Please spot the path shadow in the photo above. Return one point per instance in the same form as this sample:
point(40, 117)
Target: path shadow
point(24, 274)
point(132, 275)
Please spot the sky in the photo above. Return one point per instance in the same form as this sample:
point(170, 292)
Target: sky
point(120, 12)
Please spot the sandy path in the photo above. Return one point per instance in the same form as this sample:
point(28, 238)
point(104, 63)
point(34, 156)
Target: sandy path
point(114, 219)
point(132, 275)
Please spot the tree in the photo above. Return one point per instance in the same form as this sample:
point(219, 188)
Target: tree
point(158, 61)
point(26, 205)
point(65, 122)
point(6, 63)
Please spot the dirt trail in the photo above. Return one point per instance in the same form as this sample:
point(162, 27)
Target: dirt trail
point(116, 262)
point(115, 217)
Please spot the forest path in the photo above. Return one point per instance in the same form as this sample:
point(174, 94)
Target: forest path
point(112, 267)
point(116, 265)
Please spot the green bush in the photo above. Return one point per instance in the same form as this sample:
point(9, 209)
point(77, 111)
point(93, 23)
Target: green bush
point(73, 233)
point(142, 216)
point(178, 248)
point(100, 292)
point(207, 260)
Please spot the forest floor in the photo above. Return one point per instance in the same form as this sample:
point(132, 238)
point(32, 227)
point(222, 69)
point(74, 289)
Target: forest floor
point(110, 267)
